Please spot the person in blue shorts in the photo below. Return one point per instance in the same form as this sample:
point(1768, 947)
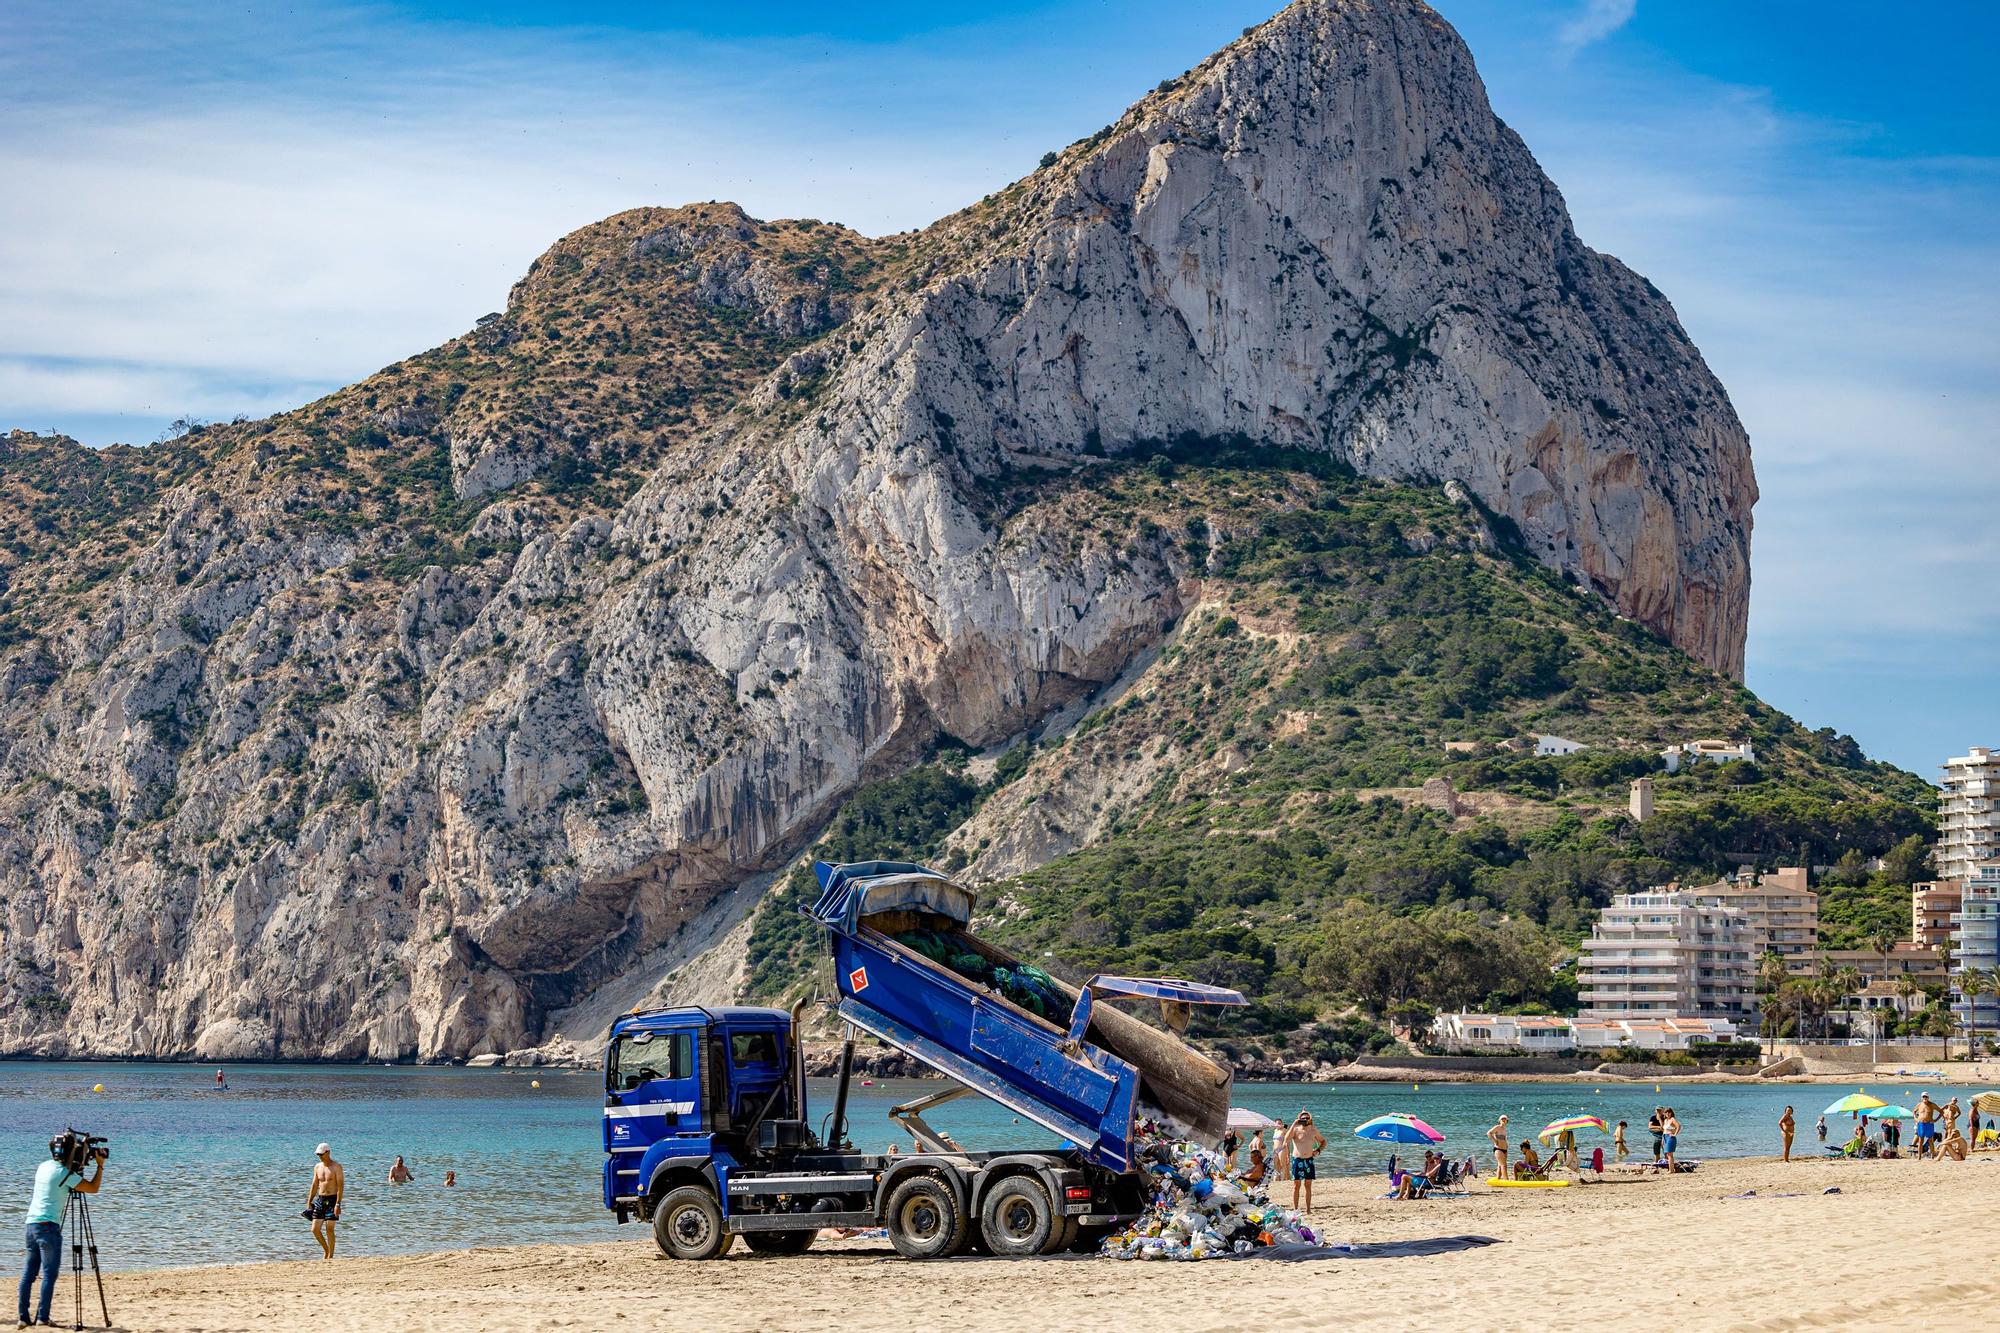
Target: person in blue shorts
point(1670, 1138)
point(1303, 1141)
point(1928, 1112)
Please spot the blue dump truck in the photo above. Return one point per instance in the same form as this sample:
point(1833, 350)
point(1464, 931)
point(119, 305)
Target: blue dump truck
point(707, 1134)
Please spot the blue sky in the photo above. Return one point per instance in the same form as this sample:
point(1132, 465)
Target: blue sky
point(214, 210)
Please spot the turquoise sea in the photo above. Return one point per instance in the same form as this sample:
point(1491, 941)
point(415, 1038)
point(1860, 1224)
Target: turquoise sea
point(198, 1176)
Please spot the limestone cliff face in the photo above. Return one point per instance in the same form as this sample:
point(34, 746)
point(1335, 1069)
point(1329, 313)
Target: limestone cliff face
point(396, 726)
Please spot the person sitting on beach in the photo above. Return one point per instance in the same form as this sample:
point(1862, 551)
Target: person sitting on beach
point(1259, 1168)
point(1530, 1167)
point(1416, 1185)
point(1498, 1135)
point(400, 1174)
point(1953, 1144)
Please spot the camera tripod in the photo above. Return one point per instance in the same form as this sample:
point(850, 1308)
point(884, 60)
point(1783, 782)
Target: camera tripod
point(82, 1236)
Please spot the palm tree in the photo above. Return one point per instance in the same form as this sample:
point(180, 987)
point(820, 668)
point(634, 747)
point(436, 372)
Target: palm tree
point(1907, 989)
point(1844, 982)
point(1771, 978)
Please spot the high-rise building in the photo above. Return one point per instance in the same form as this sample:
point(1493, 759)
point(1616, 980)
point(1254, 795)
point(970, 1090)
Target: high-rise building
point(1969, 813)
point(1668, 952)
point(1932, 906)
point(1975, 940)
point(1780, 906)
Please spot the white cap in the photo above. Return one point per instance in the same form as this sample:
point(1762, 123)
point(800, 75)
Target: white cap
point(323, 1149)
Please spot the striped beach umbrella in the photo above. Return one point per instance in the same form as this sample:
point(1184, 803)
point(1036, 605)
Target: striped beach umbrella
point(1572, 1123)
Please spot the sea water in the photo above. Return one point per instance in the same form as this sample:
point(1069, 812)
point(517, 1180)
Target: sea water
point(202, 1176)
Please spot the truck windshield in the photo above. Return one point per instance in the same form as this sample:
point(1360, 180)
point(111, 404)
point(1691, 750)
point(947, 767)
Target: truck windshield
point(640, 1057)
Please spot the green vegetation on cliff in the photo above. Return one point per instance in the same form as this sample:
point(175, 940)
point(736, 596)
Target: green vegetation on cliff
point(1279, 840)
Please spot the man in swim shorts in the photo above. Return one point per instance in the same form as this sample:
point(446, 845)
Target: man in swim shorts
point(1927, 1126)
point(1304, 1141)
point(329, 1186)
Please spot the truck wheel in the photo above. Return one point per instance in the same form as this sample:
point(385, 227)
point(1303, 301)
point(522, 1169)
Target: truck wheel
point(925, 1221)
point(1017, 1218)
point(688, 1224)
point(779, 1242)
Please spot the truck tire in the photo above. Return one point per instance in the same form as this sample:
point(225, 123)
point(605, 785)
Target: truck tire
point(1017, 1219)
point(687, 1224)
point(779, 1242)
point(925, 1220)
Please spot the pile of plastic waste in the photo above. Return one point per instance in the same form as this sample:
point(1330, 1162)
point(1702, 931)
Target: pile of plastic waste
point(1024, 983)
point(1199, 1209)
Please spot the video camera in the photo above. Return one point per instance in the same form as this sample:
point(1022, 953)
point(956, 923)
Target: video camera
point(75, 1150)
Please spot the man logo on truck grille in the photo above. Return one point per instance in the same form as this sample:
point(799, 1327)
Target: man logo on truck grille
point(857, 980)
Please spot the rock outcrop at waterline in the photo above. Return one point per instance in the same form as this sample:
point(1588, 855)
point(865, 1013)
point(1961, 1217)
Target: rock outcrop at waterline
point(394, 725)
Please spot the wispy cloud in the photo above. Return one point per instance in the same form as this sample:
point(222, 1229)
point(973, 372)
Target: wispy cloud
point(1599, 19)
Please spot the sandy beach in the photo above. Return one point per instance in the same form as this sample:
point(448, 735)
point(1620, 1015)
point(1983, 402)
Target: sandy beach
point(1903, 1242)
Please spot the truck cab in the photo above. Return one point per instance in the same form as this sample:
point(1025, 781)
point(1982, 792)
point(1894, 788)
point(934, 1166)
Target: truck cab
point(696, 1091)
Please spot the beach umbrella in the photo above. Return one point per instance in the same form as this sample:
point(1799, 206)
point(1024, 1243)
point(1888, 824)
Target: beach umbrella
point(1987, 1103)
point(1853, 1104)
point(1397, 1128)
point(1241, 1117)
point(1572, 1123)
point(1894, 1113)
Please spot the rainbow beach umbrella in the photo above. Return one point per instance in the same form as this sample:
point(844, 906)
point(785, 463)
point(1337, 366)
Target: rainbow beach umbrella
point(1854, 1103)
point(1570, 1124)
point(1397, 1128)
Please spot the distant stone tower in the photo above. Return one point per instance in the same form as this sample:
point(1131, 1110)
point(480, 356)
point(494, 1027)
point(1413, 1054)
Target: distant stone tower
point(1642, 799)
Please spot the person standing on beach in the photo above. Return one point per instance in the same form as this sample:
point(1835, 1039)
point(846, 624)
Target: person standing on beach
point(1670, 1131)
point(329, 1187)
point(1618, 1140)
point(1927, 1128)
point(1653, 1128)
point(1498, 1136)
point(1786, 1126)
point(1952, 1111)
point(1303, 1143)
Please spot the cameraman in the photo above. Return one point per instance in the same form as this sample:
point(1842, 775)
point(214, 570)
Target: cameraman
point(53, 1183)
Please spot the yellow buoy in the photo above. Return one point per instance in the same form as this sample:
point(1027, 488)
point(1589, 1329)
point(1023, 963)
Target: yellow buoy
point(1413, 1087)
point(534, 1083)
point(98, 1088)
point(1598, 1091)
point(1656, 1087)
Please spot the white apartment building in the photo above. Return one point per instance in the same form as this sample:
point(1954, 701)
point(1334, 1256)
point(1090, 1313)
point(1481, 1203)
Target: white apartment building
point(1969, 813)
point(1669, 953)
point(1975, 939)
point(1540, 1034)
point(1780, 906)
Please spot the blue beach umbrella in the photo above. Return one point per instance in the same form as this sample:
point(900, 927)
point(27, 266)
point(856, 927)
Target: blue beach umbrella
point(1894, 1113)
point(1397, 1128)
